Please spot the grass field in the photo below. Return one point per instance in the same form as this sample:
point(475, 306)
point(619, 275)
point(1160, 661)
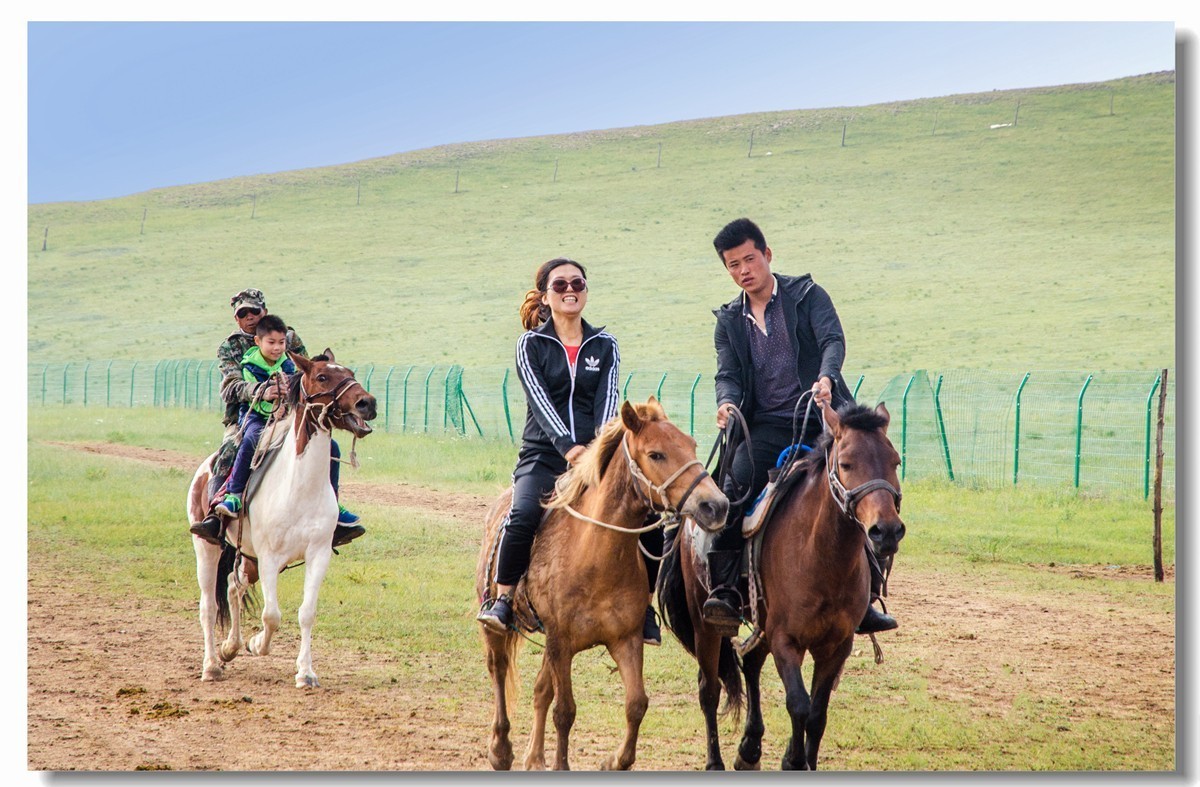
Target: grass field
point(406, 592)
point(945, 243)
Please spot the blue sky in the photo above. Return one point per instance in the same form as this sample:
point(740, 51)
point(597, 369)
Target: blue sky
point(115, 108)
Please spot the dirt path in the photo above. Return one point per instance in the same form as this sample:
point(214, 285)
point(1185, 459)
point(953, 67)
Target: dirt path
point(105, 690)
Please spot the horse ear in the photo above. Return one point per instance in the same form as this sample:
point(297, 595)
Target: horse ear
point(884, 414)
point(630, 417)
point(655, 406)
point(832, 422)
point(302, 363)
point(329, 354)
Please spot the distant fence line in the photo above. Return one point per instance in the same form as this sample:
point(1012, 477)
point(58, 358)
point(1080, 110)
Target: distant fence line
point(981, 428)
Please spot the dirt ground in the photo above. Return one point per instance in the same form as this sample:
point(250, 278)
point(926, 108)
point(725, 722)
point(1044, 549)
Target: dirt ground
point(105, 689)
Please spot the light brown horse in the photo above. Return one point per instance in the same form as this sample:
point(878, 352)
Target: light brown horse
point(815, 585)
point(586, 582)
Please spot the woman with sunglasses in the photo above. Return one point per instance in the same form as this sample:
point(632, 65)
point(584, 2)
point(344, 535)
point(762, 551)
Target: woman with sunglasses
point(569, 370)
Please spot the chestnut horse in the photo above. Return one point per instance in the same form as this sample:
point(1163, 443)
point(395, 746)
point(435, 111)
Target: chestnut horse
point(815, 585)
point(586, 583)
point(290, 517)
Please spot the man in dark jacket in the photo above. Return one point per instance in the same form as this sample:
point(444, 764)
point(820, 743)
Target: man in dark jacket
point(779, 338)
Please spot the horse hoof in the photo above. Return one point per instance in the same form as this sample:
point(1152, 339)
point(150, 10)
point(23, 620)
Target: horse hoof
point(213, 673)
point(715, 766)
point(500, 763)
point(227, 652)
point(741, 765)
point(307, 682)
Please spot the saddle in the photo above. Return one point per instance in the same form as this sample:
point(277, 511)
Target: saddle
point(780, 480)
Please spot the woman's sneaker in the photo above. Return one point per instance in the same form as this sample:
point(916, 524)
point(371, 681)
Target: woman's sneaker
point(651, 633)
point(498, 615)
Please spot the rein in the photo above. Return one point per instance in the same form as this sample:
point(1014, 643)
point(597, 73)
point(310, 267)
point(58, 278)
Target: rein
point(668, 522)
point(323, 420)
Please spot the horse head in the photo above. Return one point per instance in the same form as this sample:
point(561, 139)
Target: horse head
point(663, 458)
point(323, 381)
point(861, 466)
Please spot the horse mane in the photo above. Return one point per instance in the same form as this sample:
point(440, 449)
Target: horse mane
point(852, 416)
point(587, 472)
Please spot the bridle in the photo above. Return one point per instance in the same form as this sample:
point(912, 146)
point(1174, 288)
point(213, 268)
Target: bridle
point(324, 416)
point(848, 500)
point(661, 489)
point(671, 519)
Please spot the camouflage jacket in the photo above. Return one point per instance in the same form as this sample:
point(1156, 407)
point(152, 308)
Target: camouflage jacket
point(236, 391)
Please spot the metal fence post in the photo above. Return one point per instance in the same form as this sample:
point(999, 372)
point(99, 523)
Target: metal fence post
point(65, 368)
point(404, 410)
point(86, 366)
point(431, 368)
point(132, 371)
point(367, 383)
point(154, 395)
point(387, 397)
point(1149, 402)
point(208, 381)
point(1017, 432)
point(1079, 427)
point(504, 397)
point(187, 369)
point(108, 385)
point(196, 392)
point(625, 390)
point(446, 398)
point(937, 404)
point(658, 391)
point(904, 428)
point(45, 368)
point(857, 385)
point(692, 407)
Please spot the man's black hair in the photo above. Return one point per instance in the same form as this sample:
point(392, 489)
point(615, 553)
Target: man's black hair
point(737, 232)
point(270, 323)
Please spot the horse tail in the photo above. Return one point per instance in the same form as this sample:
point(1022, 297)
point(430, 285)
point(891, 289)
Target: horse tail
point(729, 670)
point(512, 679)
point(672, 598)
point(224, 569)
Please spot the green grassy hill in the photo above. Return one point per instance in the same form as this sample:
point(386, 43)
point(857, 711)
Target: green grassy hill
point(944, 242)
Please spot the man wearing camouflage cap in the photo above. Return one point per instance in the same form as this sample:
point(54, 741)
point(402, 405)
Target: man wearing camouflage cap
point(249, 306)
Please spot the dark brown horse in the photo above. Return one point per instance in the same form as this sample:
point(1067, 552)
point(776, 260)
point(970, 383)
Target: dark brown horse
point(586, 581)
point(814, 591)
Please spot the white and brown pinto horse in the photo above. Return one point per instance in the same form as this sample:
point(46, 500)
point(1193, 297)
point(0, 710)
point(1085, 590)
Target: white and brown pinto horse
point(586, 582)
point(291, 517)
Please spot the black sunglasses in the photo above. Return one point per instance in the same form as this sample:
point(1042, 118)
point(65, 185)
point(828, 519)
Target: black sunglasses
point(560, 285)
point(246, 311)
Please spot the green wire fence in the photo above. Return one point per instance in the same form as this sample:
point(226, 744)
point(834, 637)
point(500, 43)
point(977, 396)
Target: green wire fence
point(980, 428)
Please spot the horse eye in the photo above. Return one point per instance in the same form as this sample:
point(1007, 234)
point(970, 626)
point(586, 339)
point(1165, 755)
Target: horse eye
point(845, 466)
point(657, 457)
point(321, 378)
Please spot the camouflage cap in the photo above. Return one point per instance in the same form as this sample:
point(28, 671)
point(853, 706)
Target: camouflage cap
point(248, 297)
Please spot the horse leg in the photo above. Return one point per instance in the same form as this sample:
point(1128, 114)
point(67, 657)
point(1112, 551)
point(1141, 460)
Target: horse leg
point(708, 653)
point(825, 675)
point(543, 695)
point(750, 749)
point(208, 558)
point(564, 704)
point(787, 663)
point(500, 754)
point(628, 655)
point(268, 573)
point(316, 563)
